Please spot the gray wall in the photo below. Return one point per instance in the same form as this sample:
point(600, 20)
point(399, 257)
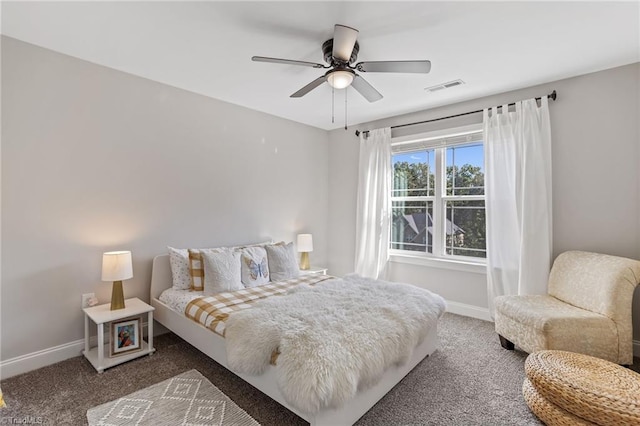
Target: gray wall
point(596, 180)
point(94, 159)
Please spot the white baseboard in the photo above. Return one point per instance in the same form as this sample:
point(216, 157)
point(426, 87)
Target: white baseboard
point(33, 361)
point(469, 310)
point(24, 363)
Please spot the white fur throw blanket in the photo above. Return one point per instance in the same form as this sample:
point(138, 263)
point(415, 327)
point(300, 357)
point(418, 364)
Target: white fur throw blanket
point(334, 338)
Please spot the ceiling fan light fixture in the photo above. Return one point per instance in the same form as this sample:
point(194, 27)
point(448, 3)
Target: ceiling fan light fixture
point(340, 53)
point(340, 79)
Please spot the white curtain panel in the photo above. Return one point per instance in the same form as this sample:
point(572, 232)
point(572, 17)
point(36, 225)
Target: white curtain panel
point(518, 198)
point(374, 204)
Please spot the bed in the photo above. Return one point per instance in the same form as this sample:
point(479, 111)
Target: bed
point(213, 346)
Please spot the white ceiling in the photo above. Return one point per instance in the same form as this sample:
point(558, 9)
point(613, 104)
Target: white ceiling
point(206, 47)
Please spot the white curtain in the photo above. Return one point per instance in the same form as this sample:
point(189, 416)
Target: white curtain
point(374, 204)
point(518, 198)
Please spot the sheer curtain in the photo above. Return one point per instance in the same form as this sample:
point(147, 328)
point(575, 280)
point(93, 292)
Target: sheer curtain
point(374, 204)
point(518, 198)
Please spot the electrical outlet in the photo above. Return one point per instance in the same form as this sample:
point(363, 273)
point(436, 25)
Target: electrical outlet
point(85, 299)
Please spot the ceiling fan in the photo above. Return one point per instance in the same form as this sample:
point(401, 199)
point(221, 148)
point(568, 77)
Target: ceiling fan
point(340, 53)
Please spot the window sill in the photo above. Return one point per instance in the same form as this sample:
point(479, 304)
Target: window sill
point(432, 262)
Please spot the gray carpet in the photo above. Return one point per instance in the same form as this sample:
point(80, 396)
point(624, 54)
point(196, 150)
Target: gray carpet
point(470, 380)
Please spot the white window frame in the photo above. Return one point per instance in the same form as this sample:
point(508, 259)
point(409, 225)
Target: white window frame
point(436, 140)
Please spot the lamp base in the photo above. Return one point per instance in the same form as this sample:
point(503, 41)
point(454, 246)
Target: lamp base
point(117, 296)
point(304, 261)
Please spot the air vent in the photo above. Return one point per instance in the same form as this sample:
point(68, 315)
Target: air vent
point(447, 85)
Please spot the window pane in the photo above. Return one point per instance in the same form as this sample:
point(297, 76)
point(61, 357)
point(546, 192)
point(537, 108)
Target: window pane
point(465, 228)
point(465, 170)
point(412, 226)
point(413, 174)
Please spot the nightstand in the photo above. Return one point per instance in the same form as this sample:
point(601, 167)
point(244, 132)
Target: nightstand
point(101, 315)
point(314, 270)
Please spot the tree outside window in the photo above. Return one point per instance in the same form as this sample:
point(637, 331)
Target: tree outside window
point(438, 203)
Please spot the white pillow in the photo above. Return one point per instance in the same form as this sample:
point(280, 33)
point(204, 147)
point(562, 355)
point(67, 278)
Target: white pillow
point(221, 271)
point(254, 267)
point(282, 262)
point(179, 260)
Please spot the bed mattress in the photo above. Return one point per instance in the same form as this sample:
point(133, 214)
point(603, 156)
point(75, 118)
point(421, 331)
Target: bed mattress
point(170, 313)
point(178, 300)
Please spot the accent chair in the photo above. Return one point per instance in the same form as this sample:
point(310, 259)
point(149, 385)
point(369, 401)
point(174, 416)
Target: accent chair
point(587, 309)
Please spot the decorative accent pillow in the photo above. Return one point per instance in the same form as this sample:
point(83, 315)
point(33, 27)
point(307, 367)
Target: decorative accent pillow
point(282, 261)
point(196, 267)
point(179, 260)
point(221, 271)
point(254, 266)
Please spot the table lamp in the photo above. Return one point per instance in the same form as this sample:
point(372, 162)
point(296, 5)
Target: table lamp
point(116, 266)
point(305, 245)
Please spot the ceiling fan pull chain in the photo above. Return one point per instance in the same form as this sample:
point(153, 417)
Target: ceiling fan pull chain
point(345, 107)
point(333, 104)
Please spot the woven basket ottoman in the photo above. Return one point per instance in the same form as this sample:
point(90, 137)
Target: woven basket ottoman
point(566, 388)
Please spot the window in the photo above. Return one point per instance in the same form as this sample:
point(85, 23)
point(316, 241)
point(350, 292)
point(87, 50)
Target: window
point(437, 197)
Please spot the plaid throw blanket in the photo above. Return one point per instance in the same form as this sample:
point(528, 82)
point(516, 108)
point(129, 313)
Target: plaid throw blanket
point(213, 311)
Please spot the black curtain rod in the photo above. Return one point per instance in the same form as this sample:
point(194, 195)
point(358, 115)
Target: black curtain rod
point(553, 95)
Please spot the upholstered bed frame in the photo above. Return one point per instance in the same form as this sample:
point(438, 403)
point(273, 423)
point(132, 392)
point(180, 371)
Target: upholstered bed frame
point(214, 346)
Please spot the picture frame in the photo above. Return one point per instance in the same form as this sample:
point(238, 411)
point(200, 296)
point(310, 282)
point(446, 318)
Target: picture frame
point(125, 336)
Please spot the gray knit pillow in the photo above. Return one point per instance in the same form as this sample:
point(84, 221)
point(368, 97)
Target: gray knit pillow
point(282, 261)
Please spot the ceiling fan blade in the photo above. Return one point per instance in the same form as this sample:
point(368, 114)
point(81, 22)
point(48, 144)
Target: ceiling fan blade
point(287, 61)
point(309, 87)
point(365, 89)
point(344, 38)
point(395, 66)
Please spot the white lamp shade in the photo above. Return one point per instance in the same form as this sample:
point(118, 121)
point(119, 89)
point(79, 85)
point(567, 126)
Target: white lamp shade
point(305, 243)
point(116, 266)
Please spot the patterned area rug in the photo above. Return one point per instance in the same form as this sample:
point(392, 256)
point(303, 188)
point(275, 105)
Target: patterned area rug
point(188, 399)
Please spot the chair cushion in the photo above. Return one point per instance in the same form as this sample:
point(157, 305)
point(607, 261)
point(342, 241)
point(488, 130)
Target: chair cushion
point(543, 312)
point(544, 322)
